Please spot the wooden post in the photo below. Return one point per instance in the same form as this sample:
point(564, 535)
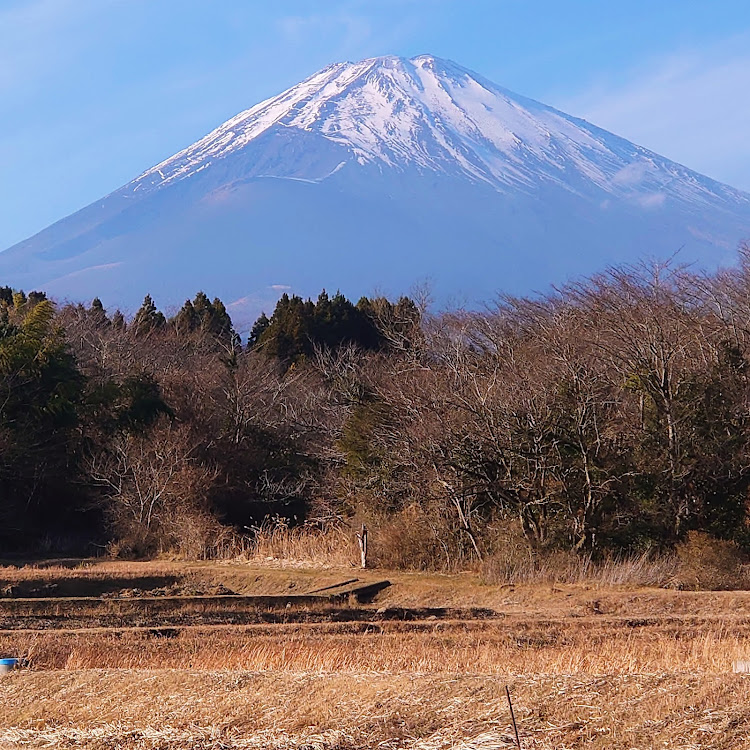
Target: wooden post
point(362, 539)
point(513, 718)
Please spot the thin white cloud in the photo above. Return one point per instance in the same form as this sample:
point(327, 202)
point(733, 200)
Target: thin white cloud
point(632, 174)
point(692, 107)
point(652, 201)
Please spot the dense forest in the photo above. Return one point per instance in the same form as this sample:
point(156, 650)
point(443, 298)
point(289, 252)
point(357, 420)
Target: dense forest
point(609, 416)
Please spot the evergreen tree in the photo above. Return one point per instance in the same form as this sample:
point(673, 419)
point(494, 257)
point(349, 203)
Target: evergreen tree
point(118, 321)
point(36, 297)
point(97, 314)
point(257, 331)
point(41, 393)
point(221, 322)
point(186, 320)
point(6, 296)
point(297, 327)
point(202, 315)
point(148, 318)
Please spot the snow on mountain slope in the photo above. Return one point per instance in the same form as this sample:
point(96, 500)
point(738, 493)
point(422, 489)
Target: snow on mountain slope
point(376, 175)
point(437, 116)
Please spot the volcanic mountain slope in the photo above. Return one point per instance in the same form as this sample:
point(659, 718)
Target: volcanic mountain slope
point(377, 175)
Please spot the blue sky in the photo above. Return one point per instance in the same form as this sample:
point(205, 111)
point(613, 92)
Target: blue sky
point(92, 92)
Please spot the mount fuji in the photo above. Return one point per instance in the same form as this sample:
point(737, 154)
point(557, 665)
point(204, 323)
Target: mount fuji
point(376, 175)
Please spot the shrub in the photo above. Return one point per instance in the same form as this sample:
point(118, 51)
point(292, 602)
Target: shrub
point(418, 538)
point(705, 562)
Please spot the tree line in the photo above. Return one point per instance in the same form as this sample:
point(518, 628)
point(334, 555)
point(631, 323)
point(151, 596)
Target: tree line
point(610, 415)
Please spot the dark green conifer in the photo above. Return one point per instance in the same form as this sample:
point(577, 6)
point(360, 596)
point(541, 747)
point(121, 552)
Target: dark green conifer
point(202, 315)
point(257, 331)
point(118, 321)
point(186, 321)
point(148, 318)
point(98, 314)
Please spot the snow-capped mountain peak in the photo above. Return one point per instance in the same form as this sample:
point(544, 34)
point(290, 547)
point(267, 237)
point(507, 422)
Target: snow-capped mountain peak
point(376, 175)
point(433, 115)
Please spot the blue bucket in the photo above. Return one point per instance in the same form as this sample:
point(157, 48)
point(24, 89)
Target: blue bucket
point(6, 665)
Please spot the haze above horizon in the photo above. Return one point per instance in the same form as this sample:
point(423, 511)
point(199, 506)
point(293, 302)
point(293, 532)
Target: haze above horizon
point(93, 92)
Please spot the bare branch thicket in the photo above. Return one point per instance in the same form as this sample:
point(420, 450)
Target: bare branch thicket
point(150, 483)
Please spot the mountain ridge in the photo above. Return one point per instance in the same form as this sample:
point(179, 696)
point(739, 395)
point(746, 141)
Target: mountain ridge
point(341, 77)
point(380, 173)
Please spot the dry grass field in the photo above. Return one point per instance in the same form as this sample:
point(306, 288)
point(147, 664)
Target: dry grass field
point(166, 655)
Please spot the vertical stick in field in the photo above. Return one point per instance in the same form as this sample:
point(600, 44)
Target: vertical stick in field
point(513, 717)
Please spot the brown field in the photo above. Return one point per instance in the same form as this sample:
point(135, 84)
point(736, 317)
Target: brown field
point(166, 655)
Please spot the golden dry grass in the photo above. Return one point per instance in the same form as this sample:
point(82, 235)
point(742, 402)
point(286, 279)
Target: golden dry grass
point(334, 546)
point(517, 647)
point(92, 568)
point(590, 665)
point(187, 709)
